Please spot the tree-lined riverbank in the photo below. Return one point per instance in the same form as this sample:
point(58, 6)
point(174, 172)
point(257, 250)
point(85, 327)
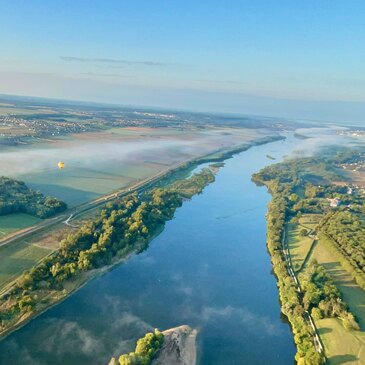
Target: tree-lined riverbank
point(194, 272)
point(123, 226)
point(308, 292)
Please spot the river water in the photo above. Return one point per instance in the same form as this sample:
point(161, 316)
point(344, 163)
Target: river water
point(209, 269)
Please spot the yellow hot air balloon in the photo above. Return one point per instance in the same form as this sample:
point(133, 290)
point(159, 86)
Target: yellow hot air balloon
point(61, 165)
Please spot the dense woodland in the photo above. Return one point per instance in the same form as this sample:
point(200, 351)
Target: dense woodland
point(124, 225)
point(303, 186)
point(344, 234)
point(347, 228)
point(145, 351)
point(16, 197)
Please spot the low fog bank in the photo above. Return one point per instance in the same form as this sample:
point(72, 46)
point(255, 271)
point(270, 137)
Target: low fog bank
point(90, 155)
point(313, 140)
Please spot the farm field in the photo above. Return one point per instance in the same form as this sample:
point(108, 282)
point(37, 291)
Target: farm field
point(336, 338)
point(356, 177)
point(353, 295)
point(96, 164)
point(14, 222)
point(310, 221)
point(345, 347)
point(100, 162)
point(341, 346)
point(299, 246)
point(17, 257)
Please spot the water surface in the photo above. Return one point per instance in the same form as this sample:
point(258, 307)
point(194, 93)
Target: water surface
point(209, 269)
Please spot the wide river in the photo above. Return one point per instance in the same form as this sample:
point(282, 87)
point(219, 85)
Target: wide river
point(209, 269)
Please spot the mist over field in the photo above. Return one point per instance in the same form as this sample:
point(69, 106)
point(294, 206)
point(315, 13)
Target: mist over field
point(89, 155)
point(98, 163)
point(321, 137)
point(104, 154)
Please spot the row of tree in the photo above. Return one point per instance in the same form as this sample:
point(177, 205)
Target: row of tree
point(347, 229)
point(279, 209)
point(301, 186)
point(123, 225)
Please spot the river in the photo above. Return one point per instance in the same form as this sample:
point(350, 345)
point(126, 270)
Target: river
point(209, 269)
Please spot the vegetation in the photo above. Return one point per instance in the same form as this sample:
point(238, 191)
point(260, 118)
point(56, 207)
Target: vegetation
point(301, 187)
point(343, 347)
point(292, 306)
point(303, 232)
point(322, 298)
point(13, 222)
point(15, 258)
point(16, 197)
point(195, 185)
point(124, 225)
point(298, 245)
point(351, 292)
point(346, 262)
point(146, 349)
point(347, 231)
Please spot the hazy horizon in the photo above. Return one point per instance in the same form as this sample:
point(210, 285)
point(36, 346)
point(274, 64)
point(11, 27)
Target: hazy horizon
point(279, 59)
point(158, 108)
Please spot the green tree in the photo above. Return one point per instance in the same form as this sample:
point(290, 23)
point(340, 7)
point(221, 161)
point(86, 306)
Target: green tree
point(303, 232)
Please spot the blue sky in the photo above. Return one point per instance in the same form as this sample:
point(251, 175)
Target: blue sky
point(293, 58)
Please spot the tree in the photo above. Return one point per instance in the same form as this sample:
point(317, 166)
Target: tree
point(293, 198)
point(303, 232)
point(349, 322)
point(113, 361)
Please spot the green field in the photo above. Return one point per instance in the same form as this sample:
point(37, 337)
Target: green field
point(344, 347)
point(337, 340)
point(299, 246)
point(310, 221)
point(352, 294)
point(14, 222)
point(17, 257)
point(341, 346)
point(97, 163)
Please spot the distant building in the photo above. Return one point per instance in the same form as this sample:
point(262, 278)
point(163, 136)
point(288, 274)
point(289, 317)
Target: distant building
point(335, 202)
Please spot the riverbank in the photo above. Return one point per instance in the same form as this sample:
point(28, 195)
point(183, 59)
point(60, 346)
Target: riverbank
point(179, 347)
point(44, 300)
point(312, 291)
point(278, 179)
point(32, 235)
point(199, 270)
point(95, 248)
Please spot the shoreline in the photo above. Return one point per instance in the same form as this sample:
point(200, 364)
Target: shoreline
point(87, 277)
point(79, 210)
point(179, 347)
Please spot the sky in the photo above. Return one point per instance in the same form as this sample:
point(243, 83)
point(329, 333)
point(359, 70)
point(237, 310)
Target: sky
point(290, 58)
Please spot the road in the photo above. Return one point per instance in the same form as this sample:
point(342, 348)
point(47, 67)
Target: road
point(71, 213)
